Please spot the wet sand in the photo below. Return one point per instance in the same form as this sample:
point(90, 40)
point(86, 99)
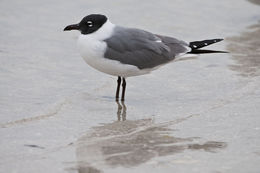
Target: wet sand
point(245, 50)
point(195, 115)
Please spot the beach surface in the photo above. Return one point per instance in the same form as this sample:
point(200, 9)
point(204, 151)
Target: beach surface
point(200, 114)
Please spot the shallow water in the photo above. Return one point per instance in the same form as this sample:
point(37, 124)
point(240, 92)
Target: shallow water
point(196, 115)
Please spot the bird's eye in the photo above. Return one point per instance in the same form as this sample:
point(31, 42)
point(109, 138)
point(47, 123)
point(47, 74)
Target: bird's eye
point(90, 23)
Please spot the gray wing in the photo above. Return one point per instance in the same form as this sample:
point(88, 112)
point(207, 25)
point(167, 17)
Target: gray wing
point(142, 49)
point(176, 46)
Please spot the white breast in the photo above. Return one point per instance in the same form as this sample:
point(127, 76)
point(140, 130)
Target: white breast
point(92, 48)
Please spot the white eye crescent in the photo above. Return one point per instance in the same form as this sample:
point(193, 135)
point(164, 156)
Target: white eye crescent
point(90, 23)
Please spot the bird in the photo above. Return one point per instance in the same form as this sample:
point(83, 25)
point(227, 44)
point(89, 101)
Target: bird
point(126, 52)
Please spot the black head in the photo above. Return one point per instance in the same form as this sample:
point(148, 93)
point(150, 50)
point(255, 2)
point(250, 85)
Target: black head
point(88, 24)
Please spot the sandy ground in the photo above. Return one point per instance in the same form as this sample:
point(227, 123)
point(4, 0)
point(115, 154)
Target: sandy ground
point(196, 115)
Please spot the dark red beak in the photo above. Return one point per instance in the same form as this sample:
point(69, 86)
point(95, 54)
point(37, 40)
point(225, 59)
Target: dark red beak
point(71, 27)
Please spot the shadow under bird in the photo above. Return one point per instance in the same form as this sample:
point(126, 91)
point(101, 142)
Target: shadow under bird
point(125, 52)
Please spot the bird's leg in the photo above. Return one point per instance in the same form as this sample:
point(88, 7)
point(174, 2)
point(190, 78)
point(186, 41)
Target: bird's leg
point(118, 87)
point(123, 91)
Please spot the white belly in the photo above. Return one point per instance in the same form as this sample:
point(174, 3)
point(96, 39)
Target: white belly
point(92, 51)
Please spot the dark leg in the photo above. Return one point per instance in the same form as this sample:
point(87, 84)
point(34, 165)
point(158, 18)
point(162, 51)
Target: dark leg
point(118, 87)
point(123, 91)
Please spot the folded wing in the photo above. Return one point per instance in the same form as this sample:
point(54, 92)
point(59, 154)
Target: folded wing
point(142, 49)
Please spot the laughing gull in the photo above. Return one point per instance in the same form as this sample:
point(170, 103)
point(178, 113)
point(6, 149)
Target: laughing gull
point(125, 52)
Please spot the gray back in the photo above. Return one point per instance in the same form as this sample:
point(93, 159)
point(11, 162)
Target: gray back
point(142, 49)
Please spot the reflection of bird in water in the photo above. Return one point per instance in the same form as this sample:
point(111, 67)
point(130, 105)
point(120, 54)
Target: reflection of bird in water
point(125, 52)
point(129, 143)
point(121, 111)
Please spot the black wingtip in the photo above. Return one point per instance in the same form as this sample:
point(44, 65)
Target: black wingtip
point(199, 44)
point(218, 40)
point(203, 51)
